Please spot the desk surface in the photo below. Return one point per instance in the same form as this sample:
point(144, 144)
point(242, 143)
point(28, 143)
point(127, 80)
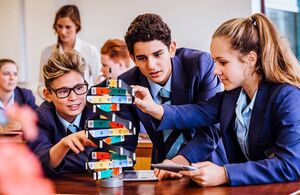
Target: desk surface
point(84, 184)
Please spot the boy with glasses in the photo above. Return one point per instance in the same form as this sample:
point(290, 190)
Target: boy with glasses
point(62, 145)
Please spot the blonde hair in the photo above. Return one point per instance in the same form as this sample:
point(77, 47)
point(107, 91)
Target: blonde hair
point(62, 63)
point(117, 50)
point(275, 60)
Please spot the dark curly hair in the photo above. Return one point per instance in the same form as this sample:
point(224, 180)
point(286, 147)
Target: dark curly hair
point(147, 27)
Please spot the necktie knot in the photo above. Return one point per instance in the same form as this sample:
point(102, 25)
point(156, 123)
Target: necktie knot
point(72, 129)
point(165, 95)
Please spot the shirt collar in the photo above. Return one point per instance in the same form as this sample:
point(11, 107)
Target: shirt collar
point(155, 88)
point(243, 100)
point(11, 102)
point(66, 124)
point(76, 47)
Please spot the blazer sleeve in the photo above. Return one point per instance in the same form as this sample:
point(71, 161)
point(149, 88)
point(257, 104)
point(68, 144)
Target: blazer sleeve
point(284, 165)
point(192, 115)
point(48, 137)
point(209, 82)
point(25, 96)
point(203, 144)
point(31, 100)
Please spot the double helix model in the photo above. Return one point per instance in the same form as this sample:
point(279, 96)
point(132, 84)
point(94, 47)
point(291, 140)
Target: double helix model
point(106, 129)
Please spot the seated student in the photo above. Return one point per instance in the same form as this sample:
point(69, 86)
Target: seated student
point(115, 58)
point(258, 111)
point(174, 76)
point(61, 144)
point(10, 93)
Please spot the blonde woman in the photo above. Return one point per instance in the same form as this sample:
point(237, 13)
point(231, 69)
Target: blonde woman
point(10, 93)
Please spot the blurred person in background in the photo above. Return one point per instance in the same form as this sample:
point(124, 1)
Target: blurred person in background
point(67, 24)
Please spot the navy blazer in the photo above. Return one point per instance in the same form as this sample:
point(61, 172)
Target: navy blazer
point(274, 132)
point(24, 96)
point(51, 131)
point(192, 81)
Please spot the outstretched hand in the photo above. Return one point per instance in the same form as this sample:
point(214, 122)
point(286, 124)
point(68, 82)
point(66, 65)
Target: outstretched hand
point(77, 141)
point(144, 101)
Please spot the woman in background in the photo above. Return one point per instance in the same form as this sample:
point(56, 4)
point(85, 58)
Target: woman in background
point(10, 93)
point(115, 58)
point(67, 24)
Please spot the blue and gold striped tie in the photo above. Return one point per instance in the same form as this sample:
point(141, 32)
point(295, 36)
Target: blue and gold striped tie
point(72, 129)
point(173, 139)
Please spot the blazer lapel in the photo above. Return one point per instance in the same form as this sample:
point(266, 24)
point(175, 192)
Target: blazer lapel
point(180, 89)
point(257, 116)
point(228, 108)
point(18, 96)
point(179, 86)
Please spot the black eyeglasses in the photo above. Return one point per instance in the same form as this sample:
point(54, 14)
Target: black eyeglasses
point(65, 92)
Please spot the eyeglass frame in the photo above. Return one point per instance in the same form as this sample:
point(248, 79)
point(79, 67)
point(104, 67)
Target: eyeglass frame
point(70, 89)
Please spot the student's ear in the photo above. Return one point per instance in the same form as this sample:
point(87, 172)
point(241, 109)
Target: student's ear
point(172, 49)
point(47, 95)
point(251, 59)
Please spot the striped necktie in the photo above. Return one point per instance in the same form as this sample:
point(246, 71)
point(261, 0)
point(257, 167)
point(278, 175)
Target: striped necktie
point(164, 95)
point(72, 129)
point(173, 139)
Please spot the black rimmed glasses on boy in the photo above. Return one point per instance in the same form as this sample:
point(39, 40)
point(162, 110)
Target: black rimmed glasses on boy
point(64, 92)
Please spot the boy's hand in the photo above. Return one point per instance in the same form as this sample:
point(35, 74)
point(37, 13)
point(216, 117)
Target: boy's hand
point(77, 141)
point(144, 101)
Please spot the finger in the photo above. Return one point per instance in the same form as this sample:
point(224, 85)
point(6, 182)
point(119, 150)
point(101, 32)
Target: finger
point(162, 175)
point(191, 173)
point(156, 172)
point(78, 144)
point(73, 148)
point(89, 143)
point(201, 164)
point(138, 101)
point(175, 175)
point(199, 181)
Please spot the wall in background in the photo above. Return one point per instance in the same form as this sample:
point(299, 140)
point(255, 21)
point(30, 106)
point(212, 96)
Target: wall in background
point(26, 25)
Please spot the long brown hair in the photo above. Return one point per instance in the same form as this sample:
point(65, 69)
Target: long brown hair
point(70, 11)
point(276, 61)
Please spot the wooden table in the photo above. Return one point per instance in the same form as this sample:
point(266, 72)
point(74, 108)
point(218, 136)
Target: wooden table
point(83, 184)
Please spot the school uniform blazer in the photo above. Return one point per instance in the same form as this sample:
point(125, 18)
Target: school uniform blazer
point(274, 132)
point(51, 131)
point(192, 81)
point(24, 96)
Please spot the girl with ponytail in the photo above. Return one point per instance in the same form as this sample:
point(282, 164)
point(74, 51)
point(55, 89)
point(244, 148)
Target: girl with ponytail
point(257, 112)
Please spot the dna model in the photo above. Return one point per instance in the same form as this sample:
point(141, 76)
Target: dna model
point(106, 129)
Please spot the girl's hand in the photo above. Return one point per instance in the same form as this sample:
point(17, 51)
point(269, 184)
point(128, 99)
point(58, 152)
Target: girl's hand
point(207, 174)
point(162, 174)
